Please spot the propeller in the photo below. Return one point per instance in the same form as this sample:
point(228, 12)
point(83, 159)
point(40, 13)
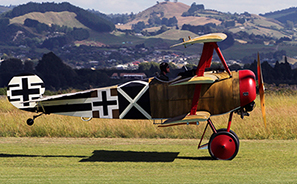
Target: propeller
point(261, 90)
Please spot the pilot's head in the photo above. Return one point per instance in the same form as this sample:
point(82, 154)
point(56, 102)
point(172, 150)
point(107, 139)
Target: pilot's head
point(164, 67)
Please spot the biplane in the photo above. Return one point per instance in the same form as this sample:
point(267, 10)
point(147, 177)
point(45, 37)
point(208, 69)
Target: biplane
point(182, 101)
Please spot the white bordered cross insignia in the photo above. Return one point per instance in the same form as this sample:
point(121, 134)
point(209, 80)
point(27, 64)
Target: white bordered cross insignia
point(106, 104)
point(134, 100)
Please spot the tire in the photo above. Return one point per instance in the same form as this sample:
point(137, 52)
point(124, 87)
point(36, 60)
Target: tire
point(30, 121)
point(223, 146)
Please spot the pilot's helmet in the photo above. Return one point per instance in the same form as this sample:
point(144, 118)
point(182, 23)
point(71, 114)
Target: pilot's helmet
point(163, 67)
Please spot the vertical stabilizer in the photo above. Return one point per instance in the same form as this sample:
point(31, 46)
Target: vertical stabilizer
point(24, 88)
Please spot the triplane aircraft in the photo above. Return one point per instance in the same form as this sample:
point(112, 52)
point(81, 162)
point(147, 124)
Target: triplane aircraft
point(183, 100)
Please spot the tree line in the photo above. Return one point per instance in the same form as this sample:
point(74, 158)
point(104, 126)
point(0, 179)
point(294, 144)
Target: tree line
point(54, 72)
point(58, 76)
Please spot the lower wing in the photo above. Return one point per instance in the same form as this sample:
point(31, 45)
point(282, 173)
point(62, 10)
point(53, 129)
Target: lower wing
point(187, 119)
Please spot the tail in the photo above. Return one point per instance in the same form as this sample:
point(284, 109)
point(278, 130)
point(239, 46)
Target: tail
point(24, 88)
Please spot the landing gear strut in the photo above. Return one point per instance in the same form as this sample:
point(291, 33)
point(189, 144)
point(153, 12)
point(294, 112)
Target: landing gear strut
point(223, 144)
point(30, 121)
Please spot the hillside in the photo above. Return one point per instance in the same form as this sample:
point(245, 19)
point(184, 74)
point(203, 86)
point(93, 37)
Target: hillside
point(259, 25)
point(217, 21)
point(79, 36)
point(64, 18)
point(283, 16)
point(5, 8)
point(168, 10)
point(85, 17)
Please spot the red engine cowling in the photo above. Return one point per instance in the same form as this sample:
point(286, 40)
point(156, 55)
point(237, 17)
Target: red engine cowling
point(247, 87)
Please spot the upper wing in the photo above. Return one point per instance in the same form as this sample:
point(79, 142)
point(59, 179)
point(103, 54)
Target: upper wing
point(213, 37)
point(187, 119)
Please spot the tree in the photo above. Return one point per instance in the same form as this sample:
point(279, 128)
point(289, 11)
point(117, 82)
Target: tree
point(172, 21)
point(80, 34)
point(138, 27)
point(54, 72)
point(28, 67)
point(31, 22)
point(164, 21)
point(194, 8)
point(56, 42)
point(4, 22)
point(149, 68)
point(9, 68)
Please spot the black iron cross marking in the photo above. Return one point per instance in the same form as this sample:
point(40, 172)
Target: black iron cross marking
point(25, 91)
point(105, 103)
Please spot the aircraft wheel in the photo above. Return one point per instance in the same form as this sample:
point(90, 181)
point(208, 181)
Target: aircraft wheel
point(30, 121)
point(223, 146)
point(232, 132)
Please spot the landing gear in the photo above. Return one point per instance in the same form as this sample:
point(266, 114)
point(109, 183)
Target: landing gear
point(30, 121)
point(223, 145)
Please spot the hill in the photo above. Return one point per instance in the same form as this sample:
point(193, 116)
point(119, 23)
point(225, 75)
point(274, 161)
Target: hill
point(5, 8)
point(33, 29)
point(76, 35)
point(83, 16)
point(283, 16)
point(211, 20)
point(168, 10)
point(64, 18)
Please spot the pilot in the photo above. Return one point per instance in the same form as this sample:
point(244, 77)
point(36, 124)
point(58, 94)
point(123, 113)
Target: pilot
point(164, 67)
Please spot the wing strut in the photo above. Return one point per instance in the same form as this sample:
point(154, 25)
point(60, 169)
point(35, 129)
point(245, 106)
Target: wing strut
point(205, 62)
point(218, 50)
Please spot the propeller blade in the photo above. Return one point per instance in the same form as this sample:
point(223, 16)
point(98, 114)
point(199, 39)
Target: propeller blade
point(261, 90)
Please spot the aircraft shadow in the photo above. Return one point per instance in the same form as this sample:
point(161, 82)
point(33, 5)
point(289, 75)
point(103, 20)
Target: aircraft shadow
point(136, 156)
point(117, 156)
point(45, 156)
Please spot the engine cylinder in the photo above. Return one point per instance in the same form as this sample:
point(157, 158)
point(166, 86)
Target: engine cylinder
point(247, 87)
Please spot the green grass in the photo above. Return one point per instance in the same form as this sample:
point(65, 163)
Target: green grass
point(280, 109)
point(69, 160)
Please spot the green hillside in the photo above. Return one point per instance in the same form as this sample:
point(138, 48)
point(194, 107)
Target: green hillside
point(79, 36)
point(85, 17)
point(64, 18)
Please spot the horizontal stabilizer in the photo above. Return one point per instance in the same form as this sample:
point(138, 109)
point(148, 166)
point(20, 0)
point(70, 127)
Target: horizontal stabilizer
point(196, 80)
point(67, 95)
point(187, 119)
point(213, 37)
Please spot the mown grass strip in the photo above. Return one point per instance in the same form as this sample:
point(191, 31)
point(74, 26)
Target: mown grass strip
point(84, 160)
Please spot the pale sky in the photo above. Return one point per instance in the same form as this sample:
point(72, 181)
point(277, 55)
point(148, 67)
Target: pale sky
point(135, 6)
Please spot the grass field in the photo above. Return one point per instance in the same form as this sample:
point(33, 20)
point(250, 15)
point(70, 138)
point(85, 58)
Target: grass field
point(118, 160)
point(136, 151)
point(280, 108)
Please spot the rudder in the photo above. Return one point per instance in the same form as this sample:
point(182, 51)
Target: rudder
point(24, 88)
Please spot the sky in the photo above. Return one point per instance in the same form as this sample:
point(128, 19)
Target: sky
point(135, 6)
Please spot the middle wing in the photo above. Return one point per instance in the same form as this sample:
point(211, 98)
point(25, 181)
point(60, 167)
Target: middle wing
point(208, 78)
